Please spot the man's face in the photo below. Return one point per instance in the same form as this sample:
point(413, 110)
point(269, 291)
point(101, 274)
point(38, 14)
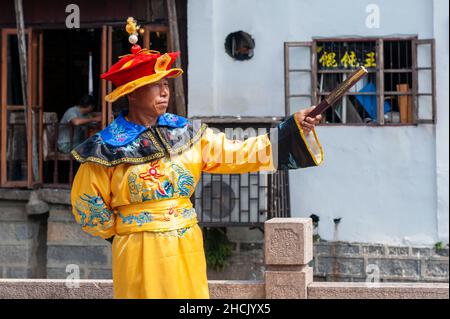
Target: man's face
point(152, 98)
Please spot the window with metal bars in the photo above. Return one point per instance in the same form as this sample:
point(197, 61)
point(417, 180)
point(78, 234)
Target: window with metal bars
point(249, 200)
point(399, 89)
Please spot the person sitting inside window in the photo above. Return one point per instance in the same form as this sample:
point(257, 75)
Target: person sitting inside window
point(78, 116)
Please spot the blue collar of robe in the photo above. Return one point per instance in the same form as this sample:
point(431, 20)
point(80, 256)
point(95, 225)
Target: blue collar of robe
point(122, 132)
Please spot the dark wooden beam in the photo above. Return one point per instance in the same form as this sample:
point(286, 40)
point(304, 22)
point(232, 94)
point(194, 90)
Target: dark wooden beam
point(174, 45)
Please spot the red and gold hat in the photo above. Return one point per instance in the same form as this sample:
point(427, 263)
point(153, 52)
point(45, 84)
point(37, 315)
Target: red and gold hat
point(139, 68)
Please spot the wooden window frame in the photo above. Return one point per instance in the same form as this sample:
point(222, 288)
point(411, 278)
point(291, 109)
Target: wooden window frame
point(380, 72)
point(34, 57)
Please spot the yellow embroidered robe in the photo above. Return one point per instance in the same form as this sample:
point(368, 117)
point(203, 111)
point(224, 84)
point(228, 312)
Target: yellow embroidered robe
point(143, 201)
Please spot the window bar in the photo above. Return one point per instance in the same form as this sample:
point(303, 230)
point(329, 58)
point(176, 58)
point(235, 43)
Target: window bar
point(229, 197)
point(288, 198)
point(286, 203)
point(408, 51)
point(71, 127)
point(55, 151)
point(277, 197)
point(399, 77)
point(204, 199)
point(277, 194)
point(272, 197)
point(330, 110)
point(408, 66)
point(344, 102)
point(280, 198)
point(347, 46)
point(283, 199)
point(361, 63)
point(230, 183)
point(415, 85)
point(400, 71)
point(433, 79)
point(210, 199)
point(287, 106)
point(283, 191)
point(248, 196)
point(356, 46)
point(351, 93)
point(236, 198)
point(281, 188)
point(380, 84)
point(280, 195)
point(240, 194)
point(202, 195)
point(286, 194)
point(258, 197)
point(214, 199)
point(363, 51)
point(11, 128)
point(269, 198)
point(313, 73)
point(370, 75)
point(396, 66)
point(219, 200)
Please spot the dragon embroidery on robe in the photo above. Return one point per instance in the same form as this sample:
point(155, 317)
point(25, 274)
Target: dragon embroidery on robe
point(159, 179)
point(98, 212)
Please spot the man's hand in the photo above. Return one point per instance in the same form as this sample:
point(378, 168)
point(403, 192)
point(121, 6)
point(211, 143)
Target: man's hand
point(307, 123)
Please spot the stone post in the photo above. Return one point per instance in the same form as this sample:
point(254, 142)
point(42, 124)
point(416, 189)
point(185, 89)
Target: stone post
point(288, 248)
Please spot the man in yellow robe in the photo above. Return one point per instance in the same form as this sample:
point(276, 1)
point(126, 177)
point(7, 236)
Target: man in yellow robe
point(138, 174)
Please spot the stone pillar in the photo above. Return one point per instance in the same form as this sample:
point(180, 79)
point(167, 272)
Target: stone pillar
point(288, 250)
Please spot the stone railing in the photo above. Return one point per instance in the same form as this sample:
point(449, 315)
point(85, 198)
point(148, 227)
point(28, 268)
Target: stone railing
point(288, 254)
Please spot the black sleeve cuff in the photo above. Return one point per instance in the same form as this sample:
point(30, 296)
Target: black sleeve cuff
point(295, 150)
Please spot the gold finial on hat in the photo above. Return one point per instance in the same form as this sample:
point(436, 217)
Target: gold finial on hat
point(133, 30)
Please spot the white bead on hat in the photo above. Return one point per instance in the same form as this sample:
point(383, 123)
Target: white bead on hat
point(133, 30)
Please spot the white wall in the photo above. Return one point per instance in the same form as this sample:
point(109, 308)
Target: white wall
point(380, 181)
point(441, 34)
point(398, 165)
point(256, 87)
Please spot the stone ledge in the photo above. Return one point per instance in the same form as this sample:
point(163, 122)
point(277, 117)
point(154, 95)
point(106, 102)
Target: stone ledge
point(49, 195)
point(236, 289)
point(383, 279)
point(54, 289)
point(14, 194)
point(55, 195)
point(371, 250)
point(352, 290)
point(103, 289)
point(227, 289)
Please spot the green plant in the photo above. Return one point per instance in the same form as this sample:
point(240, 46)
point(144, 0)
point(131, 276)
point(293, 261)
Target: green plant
point(217, 248)
point(315, 221)
point(439, 246)
point(316, 238)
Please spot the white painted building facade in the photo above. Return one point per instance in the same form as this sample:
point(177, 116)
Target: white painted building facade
point(387, 184)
